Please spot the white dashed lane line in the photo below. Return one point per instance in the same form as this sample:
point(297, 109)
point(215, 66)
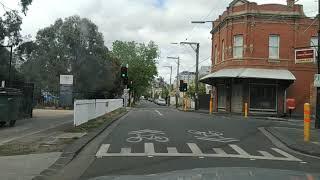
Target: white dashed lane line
point(159, 112)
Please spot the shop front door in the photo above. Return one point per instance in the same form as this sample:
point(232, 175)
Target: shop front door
point(237, 98)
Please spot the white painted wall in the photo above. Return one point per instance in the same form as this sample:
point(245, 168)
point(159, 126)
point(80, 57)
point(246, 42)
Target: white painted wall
point(85, 110)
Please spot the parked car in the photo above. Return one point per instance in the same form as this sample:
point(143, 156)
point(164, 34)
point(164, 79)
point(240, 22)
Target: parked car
point(161, 102)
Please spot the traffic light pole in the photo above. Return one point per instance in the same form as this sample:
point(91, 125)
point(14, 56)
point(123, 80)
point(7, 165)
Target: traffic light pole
point(197, 50)
point(177, 93)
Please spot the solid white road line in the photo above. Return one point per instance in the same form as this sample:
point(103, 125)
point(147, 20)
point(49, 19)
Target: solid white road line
point(284, 154)
point(125, 150)
point(103, 150)
point(239, 150)
point(172, 150)
point(266, 154)
point(159, 112)
point(194, 148)
point(149, 148)
point(196, 152)
point(219, 151)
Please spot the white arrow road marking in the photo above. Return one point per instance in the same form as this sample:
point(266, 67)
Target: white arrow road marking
point(158, 112)
point(196, 152)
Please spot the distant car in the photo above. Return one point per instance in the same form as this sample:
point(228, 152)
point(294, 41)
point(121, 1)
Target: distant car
point(161, 102)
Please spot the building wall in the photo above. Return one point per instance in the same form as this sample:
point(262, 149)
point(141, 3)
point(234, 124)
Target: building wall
point(293, 32)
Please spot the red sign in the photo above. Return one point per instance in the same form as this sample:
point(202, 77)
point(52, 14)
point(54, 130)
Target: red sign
point(291, 104)
point(305, 56)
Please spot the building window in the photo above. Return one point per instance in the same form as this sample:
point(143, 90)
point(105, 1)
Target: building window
point(263, 97)
point(238, 46)
point(222, 52)
point(314, 42)
point(274, 41)
point(215, 54)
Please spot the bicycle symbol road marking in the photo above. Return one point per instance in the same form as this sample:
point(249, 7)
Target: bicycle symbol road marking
point(147, 134)
point(213, 136)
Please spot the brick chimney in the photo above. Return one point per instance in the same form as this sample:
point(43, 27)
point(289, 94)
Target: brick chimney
point(290, 3)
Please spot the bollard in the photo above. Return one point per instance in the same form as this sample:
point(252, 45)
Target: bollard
point(307, 122)
point(185, 104)
point(211, 104)
point(245, 110)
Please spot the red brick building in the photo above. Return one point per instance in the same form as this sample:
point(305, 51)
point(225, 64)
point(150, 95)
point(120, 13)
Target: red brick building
point(253, 57)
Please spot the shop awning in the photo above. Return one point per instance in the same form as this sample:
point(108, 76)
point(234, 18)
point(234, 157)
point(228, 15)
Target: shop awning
point(277, 74)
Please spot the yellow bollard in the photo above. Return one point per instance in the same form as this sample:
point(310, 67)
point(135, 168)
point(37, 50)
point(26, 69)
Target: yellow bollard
point(307, 122)
point(185, 104)
point(211, 104)
point(245, 110)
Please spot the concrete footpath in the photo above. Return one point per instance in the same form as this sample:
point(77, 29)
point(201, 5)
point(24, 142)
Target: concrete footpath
point(25, 167)
point(33, 144)
point(293, 138)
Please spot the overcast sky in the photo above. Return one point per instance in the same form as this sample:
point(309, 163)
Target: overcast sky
point(163, 21)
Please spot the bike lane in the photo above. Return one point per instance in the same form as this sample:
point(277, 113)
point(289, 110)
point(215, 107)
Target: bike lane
point(145, 130)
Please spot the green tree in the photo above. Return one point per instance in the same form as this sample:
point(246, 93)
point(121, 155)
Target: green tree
point(141, 59)
point(191, 89)
point(10, 27)
point(72, 46)
point(165, 92)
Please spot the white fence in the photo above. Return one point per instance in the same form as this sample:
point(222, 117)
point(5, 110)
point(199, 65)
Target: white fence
point(85, 110)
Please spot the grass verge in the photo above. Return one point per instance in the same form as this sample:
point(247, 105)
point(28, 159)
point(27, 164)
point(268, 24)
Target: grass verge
point(45, 142)
point(95, 123)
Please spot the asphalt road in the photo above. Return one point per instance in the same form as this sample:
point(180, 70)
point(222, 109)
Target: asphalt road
point(154, 139)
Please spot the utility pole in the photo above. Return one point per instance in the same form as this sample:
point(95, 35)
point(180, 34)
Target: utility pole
point(10, 66)
point(197, 50)
point(178, 68)
point(317, 121)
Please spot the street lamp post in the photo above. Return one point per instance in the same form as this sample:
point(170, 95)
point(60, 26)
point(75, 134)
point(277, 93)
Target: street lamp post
point(178, 66)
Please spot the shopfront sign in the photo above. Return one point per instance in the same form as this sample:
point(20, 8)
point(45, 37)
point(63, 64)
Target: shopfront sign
point(305, 56)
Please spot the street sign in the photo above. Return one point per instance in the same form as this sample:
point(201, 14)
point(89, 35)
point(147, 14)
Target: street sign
point(316, 80)
point(66, 79)
point(305, 56)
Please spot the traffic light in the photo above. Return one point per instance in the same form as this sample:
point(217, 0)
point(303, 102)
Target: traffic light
point(124, 72)
point(183, 87)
